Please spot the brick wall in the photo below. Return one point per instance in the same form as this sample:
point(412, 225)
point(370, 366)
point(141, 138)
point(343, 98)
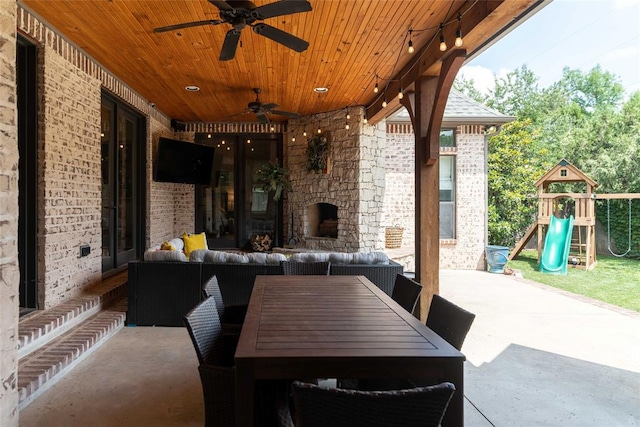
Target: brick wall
point(399, 199)
point(466, 251)
point(9, 271)
point(70, 193)
point(170, 207)
point(67, 63)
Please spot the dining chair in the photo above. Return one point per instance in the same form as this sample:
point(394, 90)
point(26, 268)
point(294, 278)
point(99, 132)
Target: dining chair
point(205, 330)
point(231, 316)
point(315, 406)
point(406, 292)
point(297, 268)
point(217, 373)
point(449, 321)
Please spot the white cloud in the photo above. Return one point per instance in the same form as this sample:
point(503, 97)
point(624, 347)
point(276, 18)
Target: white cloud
point(483, 77)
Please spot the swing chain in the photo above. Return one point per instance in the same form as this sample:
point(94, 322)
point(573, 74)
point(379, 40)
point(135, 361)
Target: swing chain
point(609, 231)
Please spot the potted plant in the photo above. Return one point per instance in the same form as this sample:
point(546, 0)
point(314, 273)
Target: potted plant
point(273, 177)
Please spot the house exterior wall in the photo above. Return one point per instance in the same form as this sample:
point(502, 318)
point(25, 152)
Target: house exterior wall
point(69, 156)
point(466, 251)
point(170, 207)
point(69, 196)
point(9, 270)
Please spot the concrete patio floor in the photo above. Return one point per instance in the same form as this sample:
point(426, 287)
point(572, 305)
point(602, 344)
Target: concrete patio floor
point(536, 356)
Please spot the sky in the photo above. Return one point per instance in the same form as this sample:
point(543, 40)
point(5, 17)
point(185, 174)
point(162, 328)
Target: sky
point(578, 34)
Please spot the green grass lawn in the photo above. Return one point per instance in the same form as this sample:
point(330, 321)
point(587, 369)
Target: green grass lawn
point(613, 280)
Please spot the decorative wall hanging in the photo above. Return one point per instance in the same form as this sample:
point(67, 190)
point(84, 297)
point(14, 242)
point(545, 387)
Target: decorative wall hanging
point(318, 153)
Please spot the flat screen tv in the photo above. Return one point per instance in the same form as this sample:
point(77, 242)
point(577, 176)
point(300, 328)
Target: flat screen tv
point(183, 162)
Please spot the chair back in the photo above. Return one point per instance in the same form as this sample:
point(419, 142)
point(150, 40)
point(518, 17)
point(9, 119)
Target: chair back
point(449, 321)
point(212, 289)
point(406, 292)
point(297, 268)
point(205, 330)
point(319, 407)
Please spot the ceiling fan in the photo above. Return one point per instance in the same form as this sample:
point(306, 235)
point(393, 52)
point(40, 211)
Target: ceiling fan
point(261, 110)
point(245, 13)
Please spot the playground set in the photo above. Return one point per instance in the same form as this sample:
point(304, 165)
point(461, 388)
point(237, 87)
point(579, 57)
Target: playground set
point(568, 240)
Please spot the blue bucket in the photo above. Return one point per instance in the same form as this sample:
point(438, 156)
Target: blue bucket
point(497, 257)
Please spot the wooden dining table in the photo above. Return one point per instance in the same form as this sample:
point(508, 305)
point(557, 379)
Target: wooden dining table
point(336, 327)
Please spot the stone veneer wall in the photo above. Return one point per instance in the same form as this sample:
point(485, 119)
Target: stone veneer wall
point(467, 250)
point(9, 271)
point(354, 183)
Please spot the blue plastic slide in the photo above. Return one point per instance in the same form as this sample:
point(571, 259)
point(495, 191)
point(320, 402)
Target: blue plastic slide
point(557, 243)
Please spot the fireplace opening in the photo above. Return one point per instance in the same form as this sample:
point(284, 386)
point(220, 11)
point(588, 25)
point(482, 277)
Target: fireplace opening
point(323, 220)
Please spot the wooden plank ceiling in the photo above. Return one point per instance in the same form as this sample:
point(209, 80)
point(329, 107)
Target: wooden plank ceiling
point(350, 42)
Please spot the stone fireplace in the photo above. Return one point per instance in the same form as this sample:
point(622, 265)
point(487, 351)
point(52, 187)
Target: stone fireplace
point(323, 220)
point(340, 209)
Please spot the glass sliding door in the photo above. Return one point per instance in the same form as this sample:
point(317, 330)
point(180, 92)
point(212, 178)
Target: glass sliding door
point(233, 208)
point(122, 142)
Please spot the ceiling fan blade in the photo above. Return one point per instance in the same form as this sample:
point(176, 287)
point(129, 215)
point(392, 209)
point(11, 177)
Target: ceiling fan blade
point(222, 5)
point(186, 25)
point(230, 45)
point(279, 8)
point(279, 36)
point(262, 118)
point(268, 107)
point(285, 113)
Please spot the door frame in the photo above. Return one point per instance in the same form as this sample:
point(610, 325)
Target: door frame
point(117, 261)
point(27, 100)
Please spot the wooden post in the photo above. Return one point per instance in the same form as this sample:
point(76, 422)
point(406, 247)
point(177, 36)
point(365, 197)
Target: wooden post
point(426, 108)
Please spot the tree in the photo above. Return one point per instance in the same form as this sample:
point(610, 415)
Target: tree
point(514, 167)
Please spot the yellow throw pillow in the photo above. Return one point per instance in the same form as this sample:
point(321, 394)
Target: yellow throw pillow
point(166, 246)
point(193, 242)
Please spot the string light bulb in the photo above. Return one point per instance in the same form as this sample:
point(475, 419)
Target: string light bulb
point(364, 119)
point(459, 41)
point(443, 44)
point(319, 130)
point(411, 49)
point(293, 139)
point(400, 93)
point(346, 126)
point(384, 103)
point(304, 132)
point(375, 88)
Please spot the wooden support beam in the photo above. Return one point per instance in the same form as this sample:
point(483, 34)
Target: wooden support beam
point(427, 61)
point(426, 108)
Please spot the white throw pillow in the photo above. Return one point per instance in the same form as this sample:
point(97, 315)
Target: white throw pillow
point(310, 257)
point(340, 257)
point(237, 258)
point(157, 255)
point(275, 258)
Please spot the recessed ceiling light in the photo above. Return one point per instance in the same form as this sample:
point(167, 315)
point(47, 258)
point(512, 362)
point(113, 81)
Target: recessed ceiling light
point(192, 88)
point(320, 90)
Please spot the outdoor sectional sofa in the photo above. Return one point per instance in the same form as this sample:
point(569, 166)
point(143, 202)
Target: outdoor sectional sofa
point(161, 292)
